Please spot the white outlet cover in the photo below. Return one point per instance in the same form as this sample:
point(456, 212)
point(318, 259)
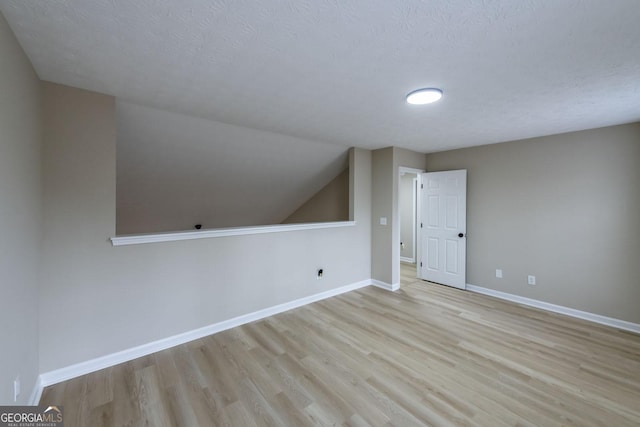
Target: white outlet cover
point(531, 280)
point(499, 273)
point(383, 220)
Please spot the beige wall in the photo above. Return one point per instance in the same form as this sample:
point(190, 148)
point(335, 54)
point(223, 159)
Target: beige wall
point(385, 250)
point(20, 217)
point(381, 206)
point(329, 204)
point(98, 299)
point(565, 208)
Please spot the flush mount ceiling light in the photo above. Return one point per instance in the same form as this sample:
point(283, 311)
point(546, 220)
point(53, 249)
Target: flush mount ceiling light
point(424, 96)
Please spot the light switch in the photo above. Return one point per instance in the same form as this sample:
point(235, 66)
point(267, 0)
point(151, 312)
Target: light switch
point(383, 220)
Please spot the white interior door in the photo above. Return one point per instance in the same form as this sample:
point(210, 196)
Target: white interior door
point(443, 228)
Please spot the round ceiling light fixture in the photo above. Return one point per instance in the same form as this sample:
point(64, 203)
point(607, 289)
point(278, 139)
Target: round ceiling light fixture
point(424, 96)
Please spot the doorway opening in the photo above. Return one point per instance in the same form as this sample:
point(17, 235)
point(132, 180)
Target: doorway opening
point(408, 215)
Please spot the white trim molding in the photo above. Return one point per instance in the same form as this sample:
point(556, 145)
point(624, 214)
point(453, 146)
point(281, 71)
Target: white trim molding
point(36, 393)
point(597, 318)
point(385, 286)
point(137, 239)
point(53, 377)
point(408, 260)
point(403, 170)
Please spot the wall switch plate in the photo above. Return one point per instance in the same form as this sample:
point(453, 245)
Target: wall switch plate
point(383, 220)
point(531, 280)
point(499, 273)
point(16, 389)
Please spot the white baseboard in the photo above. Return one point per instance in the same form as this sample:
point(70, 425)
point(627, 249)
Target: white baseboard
point(597, 318)
point(53, 377)
point(384, 285)
point(409, 260)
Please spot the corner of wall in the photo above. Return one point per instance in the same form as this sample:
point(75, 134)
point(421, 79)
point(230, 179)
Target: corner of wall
point(386, 237)
point(21, 219)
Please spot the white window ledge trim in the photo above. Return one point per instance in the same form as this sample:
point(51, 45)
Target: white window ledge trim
point(137, 239)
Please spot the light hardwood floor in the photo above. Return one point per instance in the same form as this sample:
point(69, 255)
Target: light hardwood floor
point(424, 355)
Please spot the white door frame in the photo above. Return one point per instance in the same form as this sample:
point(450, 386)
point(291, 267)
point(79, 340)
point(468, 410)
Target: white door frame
point(414, 218)
point(414, 206)
point(401, 171)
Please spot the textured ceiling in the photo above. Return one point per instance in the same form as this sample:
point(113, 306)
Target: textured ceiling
point(337, 71)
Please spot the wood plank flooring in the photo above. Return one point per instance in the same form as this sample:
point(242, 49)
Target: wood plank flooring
point(424, 355)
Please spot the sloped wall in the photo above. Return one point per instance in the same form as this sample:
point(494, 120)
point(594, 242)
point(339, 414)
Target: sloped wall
point(329, 204)
point(175, 171)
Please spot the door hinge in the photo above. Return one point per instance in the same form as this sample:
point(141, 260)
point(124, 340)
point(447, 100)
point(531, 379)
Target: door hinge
point(420, 225)
point(421, 185)
point(420, 263)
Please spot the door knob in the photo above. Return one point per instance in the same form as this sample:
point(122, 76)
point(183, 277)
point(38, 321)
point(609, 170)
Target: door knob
point(460, 235)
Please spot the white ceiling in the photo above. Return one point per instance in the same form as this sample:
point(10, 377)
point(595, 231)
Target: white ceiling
point(337, 71)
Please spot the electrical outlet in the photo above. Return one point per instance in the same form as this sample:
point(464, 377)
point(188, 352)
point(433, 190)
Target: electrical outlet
point(531, 280)
point(383, 220)
point(499, 273)
point(16, 389)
